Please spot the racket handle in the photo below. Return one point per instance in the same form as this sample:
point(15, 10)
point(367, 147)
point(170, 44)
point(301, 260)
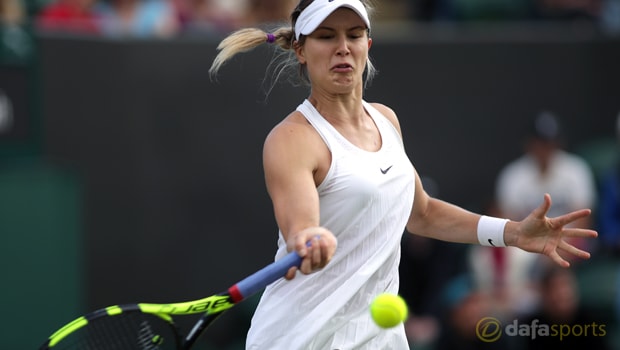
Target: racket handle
point(262, 278)
point(246, 288)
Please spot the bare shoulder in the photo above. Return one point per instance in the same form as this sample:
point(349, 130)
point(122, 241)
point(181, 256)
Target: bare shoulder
point(294, 149)
point(291, 131)
point(388, 113)
point(294, 140)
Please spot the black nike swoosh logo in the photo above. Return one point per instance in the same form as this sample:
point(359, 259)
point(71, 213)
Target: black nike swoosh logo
point(386, 170)
point(491, 242)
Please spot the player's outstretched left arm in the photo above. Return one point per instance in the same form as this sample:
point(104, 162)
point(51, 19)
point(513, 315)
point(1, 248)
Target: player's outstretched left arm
point(538, 233)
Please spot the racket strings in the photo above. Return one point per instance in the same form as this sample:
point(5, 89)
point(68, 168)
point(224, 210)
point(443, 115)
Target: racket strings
point(127, 331)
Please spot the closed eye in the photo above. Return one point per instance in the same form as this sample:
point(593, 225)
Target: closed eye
point(324, 33)
point(329, 37)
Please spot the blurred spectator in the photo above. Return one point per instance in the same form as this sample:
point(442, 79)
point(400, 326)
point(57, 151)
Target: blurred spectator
point(138, 18)
point(561, 308)
point(508, 276)
point(72, 16)
point(208, 17)
point(465, 307)
point(545, 168)
point(11, 12)
point(609, 205)
point(610, 17)
point(16, 41)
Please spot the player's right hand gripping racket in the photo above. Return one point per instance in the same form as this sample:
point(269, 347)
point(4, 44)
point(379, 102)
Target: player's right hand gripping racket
point(150, 326)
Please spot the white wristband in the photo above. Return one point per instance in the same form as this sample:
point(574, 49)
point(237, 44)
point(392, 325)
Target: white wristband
point(491, 231)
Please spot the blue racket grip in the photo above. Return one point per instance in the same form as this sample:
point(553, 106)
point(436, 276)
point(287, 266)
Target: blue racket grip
point(267, 275)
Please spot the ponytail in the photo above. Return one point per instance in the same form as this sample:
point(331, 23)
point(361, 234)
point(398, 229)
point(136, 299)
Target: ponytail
point(247, 39)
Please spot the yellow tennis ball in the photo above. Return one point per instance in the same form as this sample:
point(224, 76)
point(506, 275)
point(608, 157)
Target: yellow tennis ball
point(388, 310)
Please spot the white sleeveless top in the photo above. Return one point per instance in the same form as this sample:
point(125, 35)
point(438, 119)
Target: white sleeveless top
point(365, 200)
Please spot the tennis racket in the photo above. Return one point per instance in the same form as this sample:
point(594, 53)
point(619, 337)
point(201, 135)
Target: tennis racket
point(151, 326)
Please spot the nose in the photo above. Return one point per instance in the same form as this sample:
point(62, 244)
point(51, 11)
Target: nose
point(343, 46)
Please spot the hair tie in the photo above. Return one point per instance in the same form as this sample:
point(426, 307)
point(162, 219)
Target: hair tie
point(271, 38)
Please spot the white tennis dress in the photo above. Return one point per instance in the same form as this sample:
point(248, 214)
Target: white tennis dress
point(365, 200)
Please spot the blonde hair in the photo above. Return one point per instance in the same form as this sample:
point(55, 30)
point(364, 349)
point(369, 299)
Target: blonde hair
point(244, 40)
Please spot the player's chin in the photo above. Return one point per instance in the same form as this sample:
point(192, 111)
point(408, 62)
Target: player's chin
point(344, 82)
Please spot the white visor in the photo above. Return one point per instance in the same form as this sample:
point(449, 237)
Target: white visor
point(313, 15)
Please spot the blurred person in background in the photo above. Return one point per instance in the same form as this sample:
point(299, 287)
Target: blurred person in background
point(609, 204)
point(609, 20)
point(69, 16)
point(561, 308)
point(138, 18)
point(464, 307)
point(11, 12)
point(16, 45)
point(209, 17)
point(546, 167)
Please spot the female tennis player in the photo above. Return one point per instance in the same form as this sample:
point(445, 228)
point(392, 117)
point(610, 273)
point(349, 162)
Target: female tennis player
point(338, 176)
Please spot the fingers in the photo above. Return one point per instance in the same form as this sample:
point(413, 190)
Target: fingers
point(314, 258)
point(548, 235)
point(562, 220)
point(319, 254)
point(570, 217)
point(568, 248)
point(579, 233)
point(571, 249)
point(290, 274)
point(316, 246)
point(542, 210)
point(558, 259)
